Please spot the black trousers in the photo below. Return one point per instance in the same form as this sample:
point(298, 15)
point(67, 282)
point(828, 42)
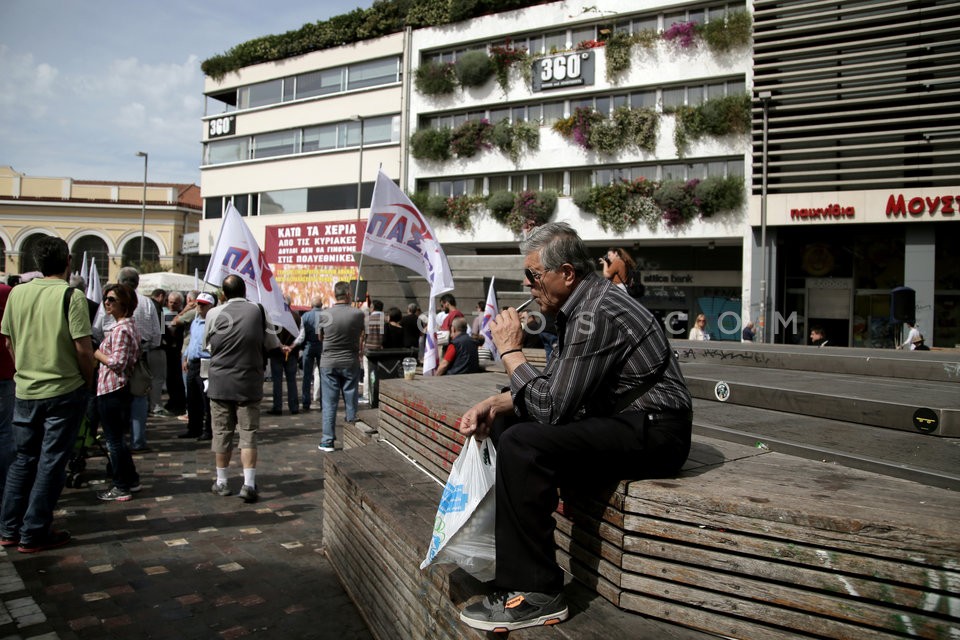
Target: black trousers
point(177, 398)
point(534, 460)
point(198, 405)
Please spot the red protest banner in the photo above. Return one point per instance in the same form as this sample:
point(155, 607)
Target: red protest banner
point(310, 257)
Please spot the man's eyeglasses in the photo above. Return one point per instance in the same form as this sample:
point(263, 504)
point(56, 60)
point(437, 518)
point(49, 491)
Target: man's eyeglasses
point(532, 276)
point(110, 299)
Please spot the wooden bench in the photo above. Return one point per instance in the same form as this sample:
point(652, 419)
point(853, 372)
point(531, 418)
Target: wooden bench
point(377, 523)
point(745, 543)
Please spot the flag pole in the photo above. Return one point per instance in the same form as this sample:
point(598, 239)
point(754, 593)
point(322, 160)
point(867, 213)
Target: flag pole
point(356, 290)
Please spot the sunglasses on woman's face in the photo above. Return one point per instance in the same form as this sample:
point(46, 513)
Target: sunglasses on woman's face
point(110, 299)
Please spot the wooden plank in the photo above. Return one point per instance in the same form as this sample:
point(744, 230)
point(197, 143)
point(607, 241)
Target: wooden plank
point(437, 397)
point(746, 612)
point(442, 432)
point(867, 576)
point(444, 441)
point(697, 617)
point(603, 539)
point(776, 494)
point(438, 468)
point(751, 580)
point(390, 424)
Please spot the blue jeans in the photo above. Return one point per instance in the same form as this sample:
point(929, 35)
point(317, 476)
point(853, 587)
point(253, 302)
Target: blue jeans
point(332, 382)
point(8, 448)
point(115, 416)
point(281, 367)
point(138, 421)
point(45, 432)
point(311, 359)
point(550, 342)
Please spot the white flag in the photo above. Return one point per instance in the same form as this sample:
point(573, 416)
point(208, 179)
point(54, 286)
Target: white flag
point(398, 233)
point(490, 311)
point(196, 279)
point(84, 269)
point(94, 290)
point(237, 252)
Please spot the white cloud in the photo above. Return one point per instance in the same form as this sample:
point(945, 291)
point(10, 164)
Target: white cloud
point(74, 102)
point(25, 85)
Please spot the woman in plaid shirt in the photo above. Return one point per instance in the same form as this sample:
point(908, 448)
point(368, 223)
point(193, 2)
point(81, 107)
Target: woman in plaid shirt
point(117, 354)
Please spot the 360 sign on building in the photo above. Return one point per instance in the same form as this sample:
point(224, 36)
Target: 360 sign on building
point(221, 126)
point(563, 70)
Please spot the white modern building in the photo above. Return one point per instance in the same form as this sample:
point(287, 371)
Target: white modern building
point(282, 142)
point(848, 165)
point(695, 266)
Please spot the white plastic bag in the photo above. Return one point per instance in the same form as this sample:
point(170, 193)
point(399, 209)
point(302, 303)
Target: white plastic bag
point(463, 532)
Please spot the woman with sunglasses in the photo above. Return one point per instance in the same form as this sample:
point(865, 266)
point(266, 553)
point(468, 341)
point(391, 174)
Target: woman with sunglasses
point(117, 354)
point(699, 330)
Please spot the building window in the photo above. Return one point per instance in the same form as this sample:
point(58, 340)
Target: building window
point(279, 143)
point(130, 255)
point(320, 83)
point(552, 111)
point(305, 85)
point(498, 183)
point(553, 42)
point(232, 150)
point(385, 129)
point(93, 247)
point(261, 94)
point(451, 188)
point(320, 138)
point(582, 179)
point(370, 74)
point(284, 201)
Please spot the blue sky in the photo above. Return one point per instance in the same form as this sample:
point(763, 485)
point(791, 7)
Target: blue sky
point(85, 85)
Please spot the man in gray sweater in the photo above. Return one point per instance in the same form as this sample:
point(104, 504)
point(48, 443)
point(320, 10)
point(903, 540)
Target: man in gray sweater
point(237, 336)
point(342, 334)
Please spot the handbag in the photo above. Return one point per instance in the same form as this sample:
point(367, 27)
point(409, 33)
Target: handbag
point(463, 531)
point(140, 378)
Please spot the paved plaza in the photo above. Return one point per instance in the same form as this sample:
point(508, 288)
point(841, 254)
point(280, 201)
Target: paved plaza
point(178, 562)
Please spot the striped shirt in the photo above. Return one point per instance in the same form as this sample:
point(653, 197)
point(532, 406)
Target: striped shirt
point(612, 355)
point(121, 345)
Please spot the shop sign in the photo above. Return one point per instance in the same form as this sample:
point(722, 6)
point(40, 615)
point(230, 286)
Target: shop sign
point(219, 127)
point(190, 243)
point(829, 212)
point(691, 279)
point(563, 70)
point(898, 206)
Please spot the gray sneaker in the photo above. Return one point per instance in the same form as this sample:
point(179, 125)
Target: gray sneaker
point(221, 489)
point(511, 610)
point(248, 493)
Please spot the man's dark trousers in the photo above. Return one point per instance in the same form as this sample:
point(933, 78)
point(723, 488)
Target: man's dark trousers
point(534, 459)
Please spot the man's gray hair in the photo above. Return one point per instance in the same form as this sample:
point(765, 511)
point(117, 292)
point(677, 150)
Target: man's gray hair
point(341, 290)
point(129, 276)
point(558, 244)
point(77, 282)
point(412, 307)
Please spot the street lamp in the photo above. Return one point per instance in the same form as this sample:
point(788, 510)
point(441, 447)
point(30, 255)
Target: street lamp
point(359, 119)
point(143, 206)
point(765, 102)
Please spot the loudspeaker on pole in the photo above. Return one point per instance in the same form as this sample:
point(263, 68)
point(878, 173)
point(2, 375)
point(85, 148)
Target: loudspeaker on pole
point(903, 305)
